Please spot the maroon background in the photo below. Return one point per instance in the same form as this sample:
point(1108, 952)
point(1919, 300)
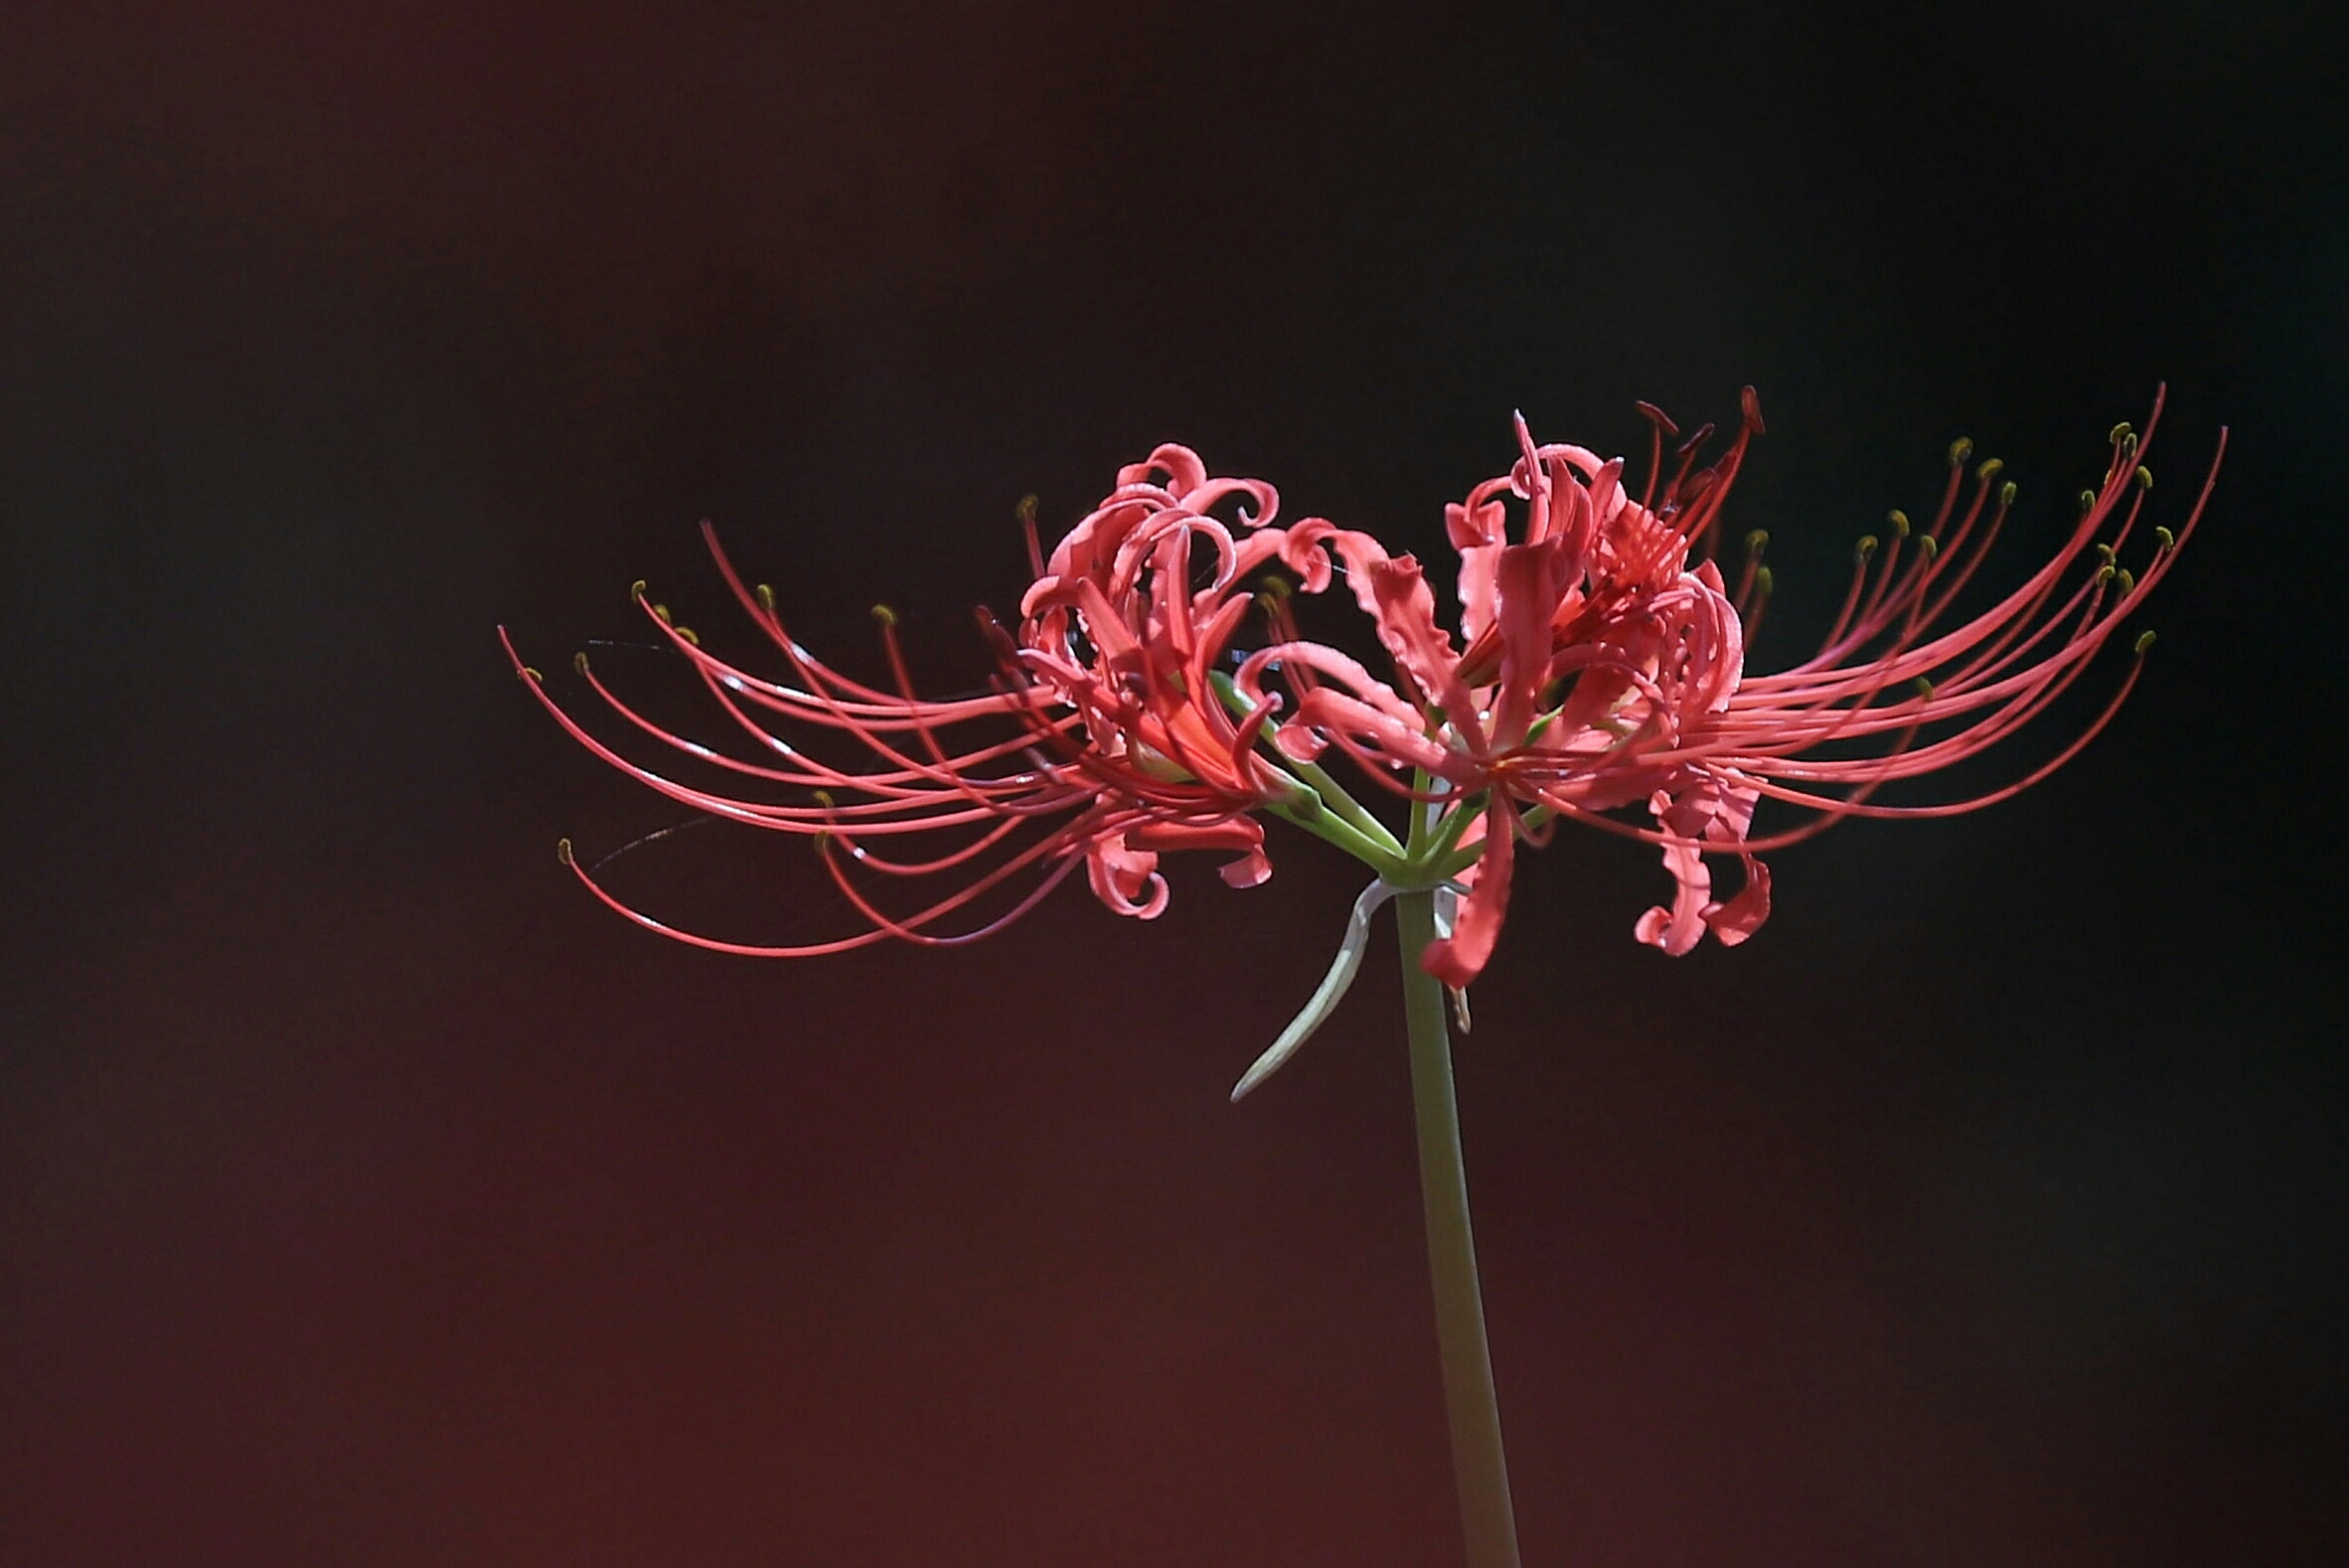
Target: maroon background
point(370, 1197)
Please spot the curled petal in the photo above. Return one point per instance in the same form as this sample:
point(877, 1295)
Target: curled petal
point(1530, 581)
point(1479, 591)
point(1732, 922)
point(1303, 552)
point(1677, 930)
point(1181, 466)
point(1480, 523)
point(1300, 742)
point(1126, 881)
point(1252, 869)
point(1717, 811)
point(1457, 958)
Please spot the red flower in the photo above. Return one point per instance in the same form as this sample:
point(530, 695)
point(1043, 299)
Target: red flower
point(1105, 743)
point(1597, 669)
point(1599, 665)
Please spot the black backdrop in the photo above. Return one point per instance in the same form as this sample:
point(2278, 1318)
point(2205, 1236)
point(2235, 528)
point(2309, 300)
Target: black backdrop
point(371, 1197)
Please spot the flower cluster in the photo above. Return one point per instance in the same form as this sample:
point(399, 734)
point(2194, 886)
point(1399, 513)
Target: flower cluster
point(1156, 694)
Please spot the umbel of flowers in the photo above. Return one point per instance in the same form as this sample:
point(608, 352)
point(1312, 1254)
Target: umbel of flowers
point(1154, 695)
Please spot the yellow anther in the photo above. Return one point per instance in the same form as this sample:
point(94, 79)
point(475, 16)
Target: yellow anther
point(825, 800)
point(1899, 521)
point(529, 673)
point(2105, 575)
point(2106, 551)
point(661, 613)
point(2144, 477)
point(1959, 450)
point(2164, 539)
point(2126, 579)
point(2088, 501)
point(2006, 494)
point(1026, 510)
point(686, 632)
point(1865, 548)
point(563, 851)
point(1989, 469)
point(1923, 688)
point(1756, 541)
point(2119, 434)
point(1278, 586)
point(2128, 446)
point(884, 614)
point(636, 589)
point(1762, 582)
point(580, 662)
point(1929, 547)
point(765, 594)
point(2144, 641)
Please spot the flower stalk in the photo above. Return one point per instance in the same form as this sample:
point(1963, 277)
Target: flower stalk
point(1479, 1470)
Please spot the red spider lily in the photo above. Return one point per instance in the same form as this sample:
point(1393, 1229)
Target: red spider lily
point(1104, 742)
point(1597, 669)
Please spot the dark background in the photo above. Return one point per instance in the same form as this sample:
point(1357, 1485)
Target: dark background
point(371, 1197)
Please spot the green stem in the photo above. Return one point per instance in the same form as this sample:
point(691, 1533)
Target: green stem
point(1329, 826)
point(1481, 1471)
point(1335, 797)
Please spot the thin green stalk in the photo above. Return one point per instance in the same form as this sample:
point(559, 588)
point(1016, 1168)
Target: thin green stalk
point(1309, 814)
point(1488, 1522)
point(1333, 796)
